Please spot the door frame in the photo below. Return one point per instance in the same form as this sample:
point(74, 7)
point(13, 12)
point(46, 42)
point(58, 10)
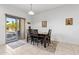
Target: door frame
point(16, 17)
point(24, 26)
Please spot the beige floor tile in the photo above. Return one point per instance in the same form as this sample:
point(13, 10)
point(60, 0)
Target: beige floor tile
point(64, 49)
point(29, 49)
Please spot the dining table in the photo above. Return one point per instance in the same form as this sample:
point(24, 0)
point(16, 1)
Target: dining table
point(43, 36)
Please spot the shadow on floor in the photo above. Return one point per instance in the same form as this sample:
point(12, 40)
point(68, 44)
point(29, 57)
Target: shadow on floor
point(51, 48)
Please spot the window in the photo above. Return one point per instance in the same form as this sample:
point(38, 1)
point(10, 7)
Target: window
point(10, 24)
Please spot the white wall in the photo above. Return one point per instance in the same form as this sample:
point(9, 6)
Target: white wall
point(56, 21)
point(9, 10)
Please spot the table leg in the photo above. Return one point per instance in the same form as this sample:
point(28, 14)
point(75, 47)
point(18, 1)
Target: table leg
point(44, 43)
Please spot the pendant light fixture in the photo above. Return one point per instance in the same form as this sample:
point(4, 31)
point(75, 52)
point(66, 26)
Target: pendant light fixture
point(31, 10)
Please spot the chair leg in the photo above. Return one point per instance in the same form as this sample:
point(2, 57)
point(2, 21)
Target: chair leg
point(45, 42)
point(44, 45)
point(37, 42)
point(41, 42)
point(27, 39)
point(48, 43)
point(33, 42)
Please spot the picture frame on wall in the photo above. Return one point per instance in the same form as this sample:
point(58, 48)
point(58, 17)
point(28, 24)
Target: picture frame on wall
point(69, 21)
point(44, 23)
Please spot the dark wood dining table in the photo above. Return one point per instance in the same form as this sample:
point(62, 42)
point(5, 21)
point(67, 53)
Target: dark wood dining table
point(43, 35)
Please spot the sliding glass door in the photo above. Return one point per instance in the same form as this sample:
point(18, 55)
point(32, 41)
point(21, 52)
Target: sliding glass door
point(11, 30)
point(15, 28)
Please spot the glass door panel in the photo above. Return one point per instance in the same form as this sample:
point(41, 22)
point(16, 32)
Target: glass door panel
point(11, 24)
point(11, 30)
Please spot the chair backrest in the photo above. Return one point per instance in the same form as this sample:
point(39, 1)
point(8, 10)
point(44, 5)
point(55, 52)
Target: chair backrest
point(35, 32)
point(30, 32)
point(49, 32)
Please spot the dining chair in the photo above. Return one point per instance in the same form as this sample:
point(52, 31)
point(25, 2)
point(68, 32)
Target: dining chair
point(49, 35)
point(34, 36)
point(29, 32)
point(47, 39)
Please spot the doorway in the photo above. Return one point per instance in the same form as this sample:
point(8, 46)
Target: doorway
point(15, 28)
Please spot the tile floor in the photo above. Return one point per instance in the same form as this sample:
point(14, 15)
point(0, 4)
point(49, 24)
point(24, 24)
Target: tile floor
point(29, 49)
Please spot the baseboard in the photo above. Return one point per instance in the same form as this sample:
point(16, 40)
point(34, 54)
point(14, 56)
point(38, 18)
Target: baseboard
point(67, 42)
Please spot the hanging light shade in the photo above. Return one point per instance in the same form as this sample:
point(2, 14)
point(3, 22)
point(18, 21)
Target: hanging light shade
point(31, 11)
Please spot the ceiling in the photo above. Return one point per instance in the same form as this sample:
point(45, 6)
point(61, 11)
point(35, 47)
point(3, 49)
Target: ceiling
point(37, 8)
